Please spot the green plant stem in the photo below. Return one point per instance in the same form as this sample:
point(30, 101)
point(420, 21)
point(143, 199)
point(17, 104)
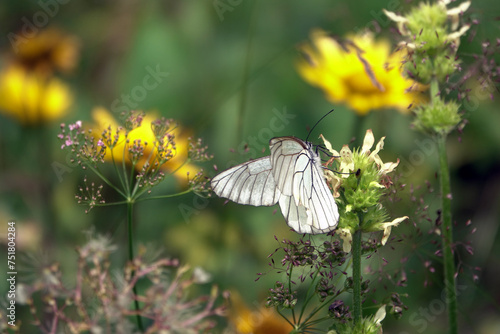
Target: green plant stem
point(434, 89)
point(130, 205)
point(357, 130)
point(246, 71)
point(106, 180)
point(163, 196)
point(309, 296)
point(290, 290)
point(447, 233)
point(356, 275)
point(446, 227)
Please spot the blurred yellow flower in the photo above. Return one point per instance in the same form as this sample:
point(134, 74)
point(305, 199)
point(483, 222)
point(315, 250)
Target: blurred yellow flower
point(31, 96)
point(28, 90)
point(178, 164)
point(49, 49)
point(261, 321)
point(360, 72)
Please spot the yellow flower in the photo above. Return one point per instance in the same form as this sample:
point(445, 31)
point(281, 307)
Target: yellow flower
point(261, 321)
point(178, 164)
point(28, 91)
point(49, 49)
point(31, 96)
point(360, 72)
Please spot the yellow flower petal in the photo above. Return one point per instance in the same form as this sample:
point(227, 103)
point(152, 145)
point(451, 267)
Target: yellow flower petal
point(329, 147)
point(455, 36)
point(358, 71)
point(31, 96)
point(379, 146)
point(454, 13)
point(346, 236)
point(374, 155)
point(395, 17)
point(380, 315)
point(368, 142)
point(389, 167)
point(387, 228)
point(334, 181)
point(376, 185)
point(177, 165)
point(258, 321)
point(50, 48)
point(346, 161)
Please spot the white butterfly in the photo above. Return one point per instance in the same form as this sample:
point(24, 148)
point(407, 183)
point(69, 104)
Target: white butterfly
point(292, 175)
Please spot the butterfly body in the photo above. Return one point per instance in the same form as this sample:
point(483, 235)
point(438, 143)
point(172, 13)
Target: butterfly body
point(291, 176)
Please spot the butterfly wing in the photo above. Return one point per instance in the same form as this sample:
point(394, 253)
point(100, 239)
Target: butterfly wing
point(306, 201)
point(297, 216)
point(250, 183)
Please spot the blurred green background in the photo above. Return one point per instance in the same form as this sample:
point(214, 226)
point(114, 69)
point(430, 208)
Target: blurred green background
point(231, 79)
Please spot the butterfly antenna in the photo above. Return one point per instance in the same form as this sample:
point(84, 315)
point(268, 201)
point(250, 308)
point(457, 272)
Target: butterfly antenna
point(310, 131)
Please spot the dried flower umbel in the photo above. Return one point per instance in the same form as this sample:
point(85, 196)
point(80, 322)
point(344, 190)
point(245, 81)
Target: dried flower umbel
point(99, 301)
point(319, 267)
